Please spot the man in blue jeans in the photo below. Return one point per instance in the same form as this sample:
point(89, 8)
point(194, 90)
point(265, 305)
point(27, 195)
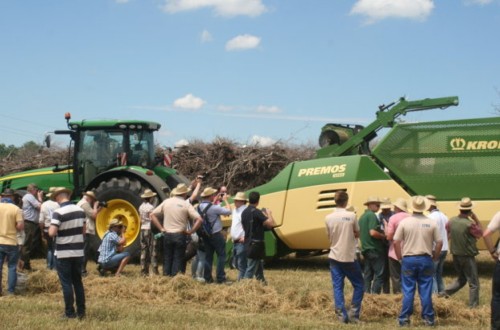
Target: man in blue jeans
point(111, 254)
point(11, 221)
point(67, 226)
point(176, 212)
point(238, 234)
point(216, 241)
point(419, 233)
point(343, 231)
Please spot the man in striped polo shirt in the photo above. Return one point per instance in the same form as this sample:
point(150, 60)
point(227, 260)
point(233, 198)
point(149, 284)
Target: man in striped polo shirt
point(68, 226)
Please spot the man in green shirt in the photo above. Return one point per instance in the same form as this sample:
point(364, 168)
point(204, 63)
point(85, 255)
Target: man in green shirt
point(372, 247)
point(465, 229)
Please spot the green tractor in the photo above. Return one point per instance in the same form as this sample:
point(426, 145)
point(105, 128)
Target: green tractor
point(115, 159)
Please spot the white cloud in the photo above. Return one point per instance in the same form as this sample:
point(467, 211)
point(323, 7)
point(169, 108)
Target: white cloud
point(376, 10)
point(227, 8)
point(262, 141)
point(268, 109)
point(243, 42)
point(181, 143)
point(206, 36)
point(189, 102)
point(478, 2)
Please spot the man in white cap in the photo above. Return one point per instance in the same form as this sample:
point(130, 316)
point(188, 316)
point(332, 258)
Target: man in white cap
point(89, 205)
point(465, 229)
point(238, 234)
point(372, 246)
point(493, 227)
point(176, 213)
point(442, 222)
point(68, 227)
point(400, 209)
point(419, 233)
point(343, 232)
point(215, 240)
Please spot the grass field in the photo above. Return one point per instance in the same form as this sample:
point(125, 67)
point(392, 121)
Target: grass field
point(299, 296)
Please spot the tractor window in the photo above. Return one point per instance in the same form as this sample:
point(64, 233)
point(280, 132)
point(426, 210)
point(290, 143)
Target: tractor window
point(141, 148)
point(99, 148)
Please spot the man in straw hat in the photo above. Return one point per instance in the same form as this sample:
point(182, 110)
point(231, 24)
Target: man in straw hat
point(91, 207)
point(148, 243)
point(493, 227)
point(465, 229)
point(68, 227)
point(401, 212)
point(176, 213)
point(343, 232)
point(48, 207)
point(372, 246)
point(111, 254)
point(215, 241)
point(419, 233)
point(11, 221)
point(442, 222)
point(238, 234)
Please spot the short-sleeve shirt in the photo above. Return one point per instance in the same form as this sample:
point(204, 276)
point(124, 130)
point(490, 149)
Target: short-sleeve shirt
point(253, 220)
point(176, 213)
point(69, 219)
point(463, 243)
point(89, 220)
point(237, 231)
point(10, 215)
point(369, 221)
point(213, 215)
point(108, 246)
point(48, 207)
point(391, 228)
point(493, 226)
point(144, 211)
point(340, 228)
point(31, 208)
point(418, 233)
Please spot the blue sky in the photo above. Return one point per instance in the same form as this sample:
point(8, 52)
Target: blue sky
point(248, 70)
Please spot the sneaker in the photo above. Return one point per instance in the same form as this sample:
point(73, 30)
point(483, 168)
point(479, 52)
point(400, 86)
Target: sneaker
point(67, 317)
point(443, 294)
point(200, 279)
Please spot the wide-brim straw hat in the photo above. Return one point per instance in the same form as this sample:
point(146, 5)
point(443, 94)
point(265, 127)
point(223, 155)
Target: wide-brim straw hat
point(90, 194)
point(466, 204)
point(51, 190)
point(386, 203)
point(59, 191)
point(240, 196)
point(148, 193)
point(419, 204)
point(401, 204)
point(181, 189)
point(372, 199)
point(209, 191)
point(431, 199)
point(350, 208)
point(115, 222)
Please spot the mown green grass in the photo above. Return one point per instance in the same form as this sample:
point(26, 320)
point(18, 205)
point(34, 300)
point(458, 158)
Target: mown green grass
point(299, 296)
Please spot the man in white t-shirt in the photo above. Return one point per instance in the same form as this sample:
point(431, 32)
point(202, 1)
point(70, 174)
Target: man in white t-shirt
point(343, 231)
point(238, 234)
point(494, 226)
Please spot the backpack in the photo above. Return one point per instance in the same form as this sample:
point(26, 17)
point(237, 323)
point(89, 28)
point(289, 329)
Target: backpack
point(205, 230)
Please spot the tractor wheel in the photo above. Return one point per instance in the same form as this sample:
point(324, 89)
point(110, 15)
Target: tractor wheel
point(123, 197)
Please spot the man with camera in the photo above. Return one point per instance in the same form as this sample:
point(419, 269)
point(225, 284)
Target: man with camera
point(91, 207)
point(111, 254)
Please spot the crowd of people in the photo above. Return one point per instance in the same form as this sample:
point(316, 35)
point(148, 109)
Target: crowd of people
point(400, 249)
point(410, 250)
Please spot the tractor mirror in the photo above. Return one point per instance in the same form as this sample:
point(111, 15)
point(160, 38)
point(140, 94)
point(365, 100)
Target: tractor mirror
point(47, 140)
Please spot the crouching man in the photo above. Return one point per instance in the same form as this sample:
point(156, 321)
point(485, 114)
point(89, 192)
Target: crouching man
point(111, 255)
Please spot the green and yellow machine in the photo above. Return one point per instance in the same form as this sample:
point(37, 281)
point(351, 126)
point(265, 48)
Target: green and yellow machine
point(448, 159)
point(115, 159)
